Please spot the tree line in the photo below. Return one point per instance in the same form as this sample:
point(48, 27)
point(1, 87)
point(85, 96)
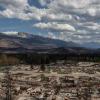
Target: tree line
point(29, 58)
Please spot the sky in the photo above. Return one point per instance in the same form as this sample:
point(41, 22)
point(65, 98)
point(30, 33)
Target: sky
point(69, 20)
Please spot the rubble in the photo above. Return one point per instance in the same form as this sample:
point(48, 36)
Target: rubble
point(79, 81)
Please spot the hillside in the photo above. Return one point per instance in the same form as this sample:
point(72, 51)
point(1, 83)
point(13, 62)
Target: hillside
point(23, 42)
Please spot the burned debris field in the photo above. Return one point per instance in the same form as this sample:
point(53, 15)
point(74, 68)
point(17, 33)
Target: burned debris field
point(49, 77)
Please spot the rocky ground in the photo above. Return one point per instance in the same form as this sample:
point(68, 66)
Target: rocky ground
point(79, 81)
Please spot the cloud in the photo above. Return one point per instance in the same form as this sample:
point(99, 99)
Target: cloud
point(45, 2)
point(10, 32)
point(73, 20)
point(58, 17)
point(20, 9)
point(14, 3)
point(56, 9)
point(54, 26)
point(51, 35)
point(13, 8)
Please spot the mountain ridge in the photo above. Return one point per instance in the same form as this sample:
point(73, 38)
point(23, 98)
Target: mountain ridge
point(35, 39)
point(24, 42)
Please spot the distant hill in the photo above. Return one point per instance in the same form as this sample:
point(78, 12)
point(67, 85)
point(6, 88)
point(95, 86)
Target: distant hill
point(92, 45)
point(23, 42)
point(29, 43)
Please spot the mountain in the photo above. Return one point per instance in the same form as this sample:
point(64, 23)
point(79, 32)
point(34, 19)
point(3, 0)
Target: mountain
point(28, 43)
point(73, 50)
point(23, 42)
point(92, 45)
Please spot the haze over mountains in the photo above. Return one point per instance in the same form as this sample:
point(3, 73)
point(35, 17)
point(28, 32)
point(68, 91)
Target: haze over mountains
point(24, 42)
